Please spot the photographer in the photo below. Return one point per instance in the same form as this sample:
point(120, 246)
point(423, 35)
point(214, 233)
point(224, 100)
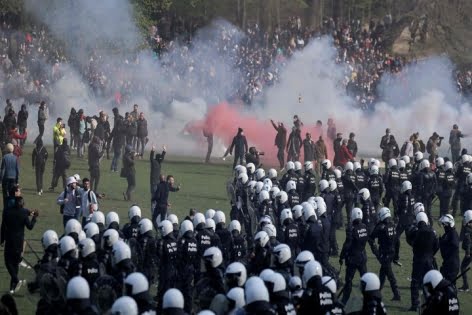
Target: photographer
point(253, 157)
point(432, 146)
point(14, 221)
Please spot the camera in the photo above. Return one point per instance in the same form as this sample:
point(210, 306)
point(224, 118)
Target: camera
point(261, 153)
point(441, 138)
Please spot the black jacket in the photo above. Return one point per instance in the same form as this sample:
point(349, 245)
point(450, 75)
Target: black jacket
point(94, 156)
point(239, 145)
point(142, 128)
point(23, 118)
point(14, 221)
point(156, 161)
point(161, 196)
point(39, 156)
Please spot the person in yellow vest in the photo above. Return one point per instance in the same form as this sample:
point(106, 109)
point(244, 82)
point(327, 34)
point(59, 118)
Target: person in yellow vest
point(59, 133)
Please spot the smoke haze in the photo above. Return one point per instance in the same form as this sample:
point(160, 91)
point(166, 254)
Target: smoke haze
point(422, 98)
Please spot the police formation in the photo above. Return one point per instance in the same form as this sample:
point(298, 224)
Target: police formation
point(273, 256)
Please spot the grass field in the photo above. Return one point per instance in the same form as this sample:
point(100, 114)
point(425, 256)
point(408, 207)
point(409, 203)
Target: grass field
point(203, 187)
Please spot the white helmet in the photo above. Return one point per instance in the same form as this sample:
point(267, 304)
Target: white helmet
point(272, 173)
point(238, 272)
point(319, 201)
point(282, 253)
point(260, 174)
point(210, 213)
point(330, 283)
point(267, 182)
point(374, 170)
point(332, 185)
point(297, 212)
point(98, 217)
point(291, 185)
point(110, 237)
point(214, 256)
point(312, 200)
point(173, 298)
point(439, 161)
point(265, 274)
point(384, 213)
point(267, 187)
point(210, 224)
point(263, 196)
point(243, 178)
point(78, 289)
point(283, 197)
point(110, 218)
point(356, 214)
point(49, 238)
point(265, 219)
point(259, 186)
point(252, 186)
point(401, 164)
point(255, 290)
point(262, 238)
point(370, 282)
point(321, 209)
point(323, 185)
point(278, 282)
point(337, 173)
point(357, 166)
point(240, 169)
point(173, 219)
point(120, 252)
point(91, 229)
point(124, 305)
point(422, 217)
point(392, 163)
point(417, 208)
point(467, 216)
point(274, 191)
point(82, 235)
point(165, 227)
point(303, 258)
point(285, 214)
point(198, 218)
point(424, 164)
point(406, 185)
point(326, 164)
point(234, 225)
point(348, 166)
point(270, 230)
point(136, 283)
point(185, 226)
point(134, 211)
point(468, 179)
point(86, 247)
point(298, 166)
point(72, 226)
point(236, 295)
point(311, 269)
point(406, 158)
point(66, 244)
point(418, 156)
point(308, 165)
point(250, 167)
point(219, 217)
point(290, 166)
point(145, 225)
point(364, 193)
point(308, 211)
point(432, 278)
point(448, 166)
point(295, 283)
point(465, 158)
point(447, 220)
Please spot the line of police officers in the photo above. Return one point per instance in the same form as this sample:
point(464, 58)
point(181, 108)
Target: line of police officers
point(281, 234)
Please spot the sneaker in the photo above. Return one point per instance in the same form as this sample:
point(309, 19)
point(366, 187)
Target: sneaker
point(24, 265)
point(398, 263)
point(463, 289)
point(40, 193)
point(18, 286)
point(396, 298)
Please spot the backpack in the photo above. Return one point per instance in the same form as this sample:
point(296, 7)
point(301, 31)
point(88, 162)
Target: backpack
point(403, 149)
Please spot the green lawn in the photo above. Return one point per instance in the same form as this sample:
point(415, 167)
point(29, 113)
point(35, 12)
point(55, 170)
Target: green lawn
point(203, 187)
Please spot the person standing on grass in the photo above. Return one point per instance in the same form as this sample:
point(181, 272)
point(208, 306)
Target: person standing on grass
point(70, 201)
point(22, 122)
point(128, 171)
point(14, 221)
point(9, 171)
point(61, 164)
point(142, 134)
point(42, 117)
point(89, 201)
point(94, 156)
point(161, 198)
point(39, 158)
point(156, 163)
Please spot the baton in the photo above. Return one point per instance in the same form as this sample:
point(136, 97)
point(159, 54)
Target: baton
point(31, 248)
point(461, 274)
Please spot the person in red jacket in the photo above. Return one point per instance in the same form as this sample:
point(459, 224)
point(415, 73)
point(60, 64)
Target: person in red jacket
point(14, 137)
point(344, 154)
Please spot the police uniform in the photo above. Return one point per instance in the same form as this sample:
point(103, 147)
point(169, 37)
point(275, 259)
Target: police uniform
point(187, 264)
point(405, 216)
point(392, 186)
point(443, 300)
point(445, 185)
point(316, 298)
point(426, 189)
point(167, 253)
point(350, 191)
point(449, 247)
point(310, 184)
point(376, 189)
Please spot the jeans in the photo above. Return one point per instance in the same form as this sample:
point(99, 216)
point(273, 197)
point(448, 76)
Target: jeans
point(39, 172)
point(141, 143)
point(7, 185)
point(116, 158)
